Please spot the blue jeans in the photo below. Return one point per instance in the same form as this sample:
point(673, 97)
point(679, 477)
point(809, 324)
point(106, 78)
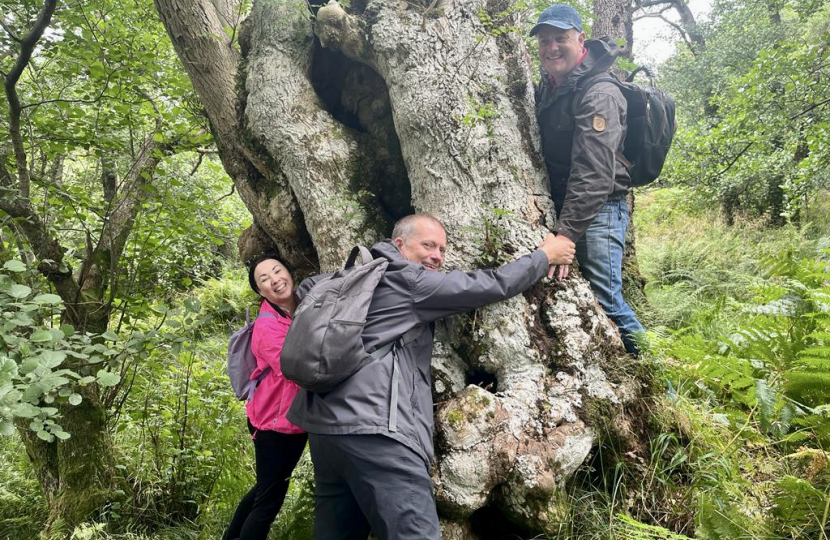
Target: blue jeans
point(600, 252)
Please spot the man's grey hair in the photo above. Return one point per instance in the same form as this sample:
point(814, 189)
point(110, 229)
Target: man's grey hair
point(406, 225)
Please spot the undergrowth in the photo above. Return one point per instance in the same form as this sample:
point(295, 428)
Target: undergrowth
point(739, 335)
point(743, 343)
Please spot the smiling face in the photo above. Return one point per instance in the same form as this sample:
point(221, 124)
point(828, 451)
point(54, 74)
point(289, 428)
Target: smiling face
point(275, 283)
point(425, 245)
point(559, 50)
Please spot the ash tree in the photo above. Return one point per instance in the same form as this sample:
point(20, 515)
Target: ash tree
point(333, 123)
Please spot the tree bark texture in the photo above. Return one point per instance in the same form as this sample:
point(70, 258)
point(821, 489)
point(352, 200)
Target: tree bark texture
point(613, 18)
point(352, 118)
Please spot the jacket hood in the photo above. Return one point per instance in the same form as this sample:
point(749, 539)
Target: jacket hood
point(602, 53)
point(387, 249)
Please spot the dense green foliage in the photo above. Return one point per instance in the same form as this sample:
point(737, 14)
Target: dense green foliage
point(32, 355)
point(754, 108)
point(180, 430)
point(740, 322)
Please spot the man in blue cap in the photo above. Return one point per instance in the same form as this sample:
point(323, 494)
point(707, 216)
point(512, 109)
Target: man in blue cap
point(582, 135)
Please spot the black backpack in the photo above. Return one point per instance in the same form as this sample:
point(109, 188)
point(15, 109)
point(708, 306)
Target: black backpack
point(650, 125)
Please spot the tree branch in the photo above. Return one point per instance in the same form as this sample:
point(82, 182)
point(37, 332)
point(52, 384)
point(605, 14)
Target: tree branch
point(810, 108)
point(10, 32)
point(652, 3)
point(27, 47)
point(734, 160)
point(213, 65)
point(47, 249)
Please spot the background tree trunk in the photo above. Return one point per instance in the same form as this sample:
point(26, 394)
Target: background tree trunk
point(352, 119)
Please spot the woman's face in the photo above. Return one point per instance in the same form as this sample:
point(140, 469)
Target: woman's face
point(274, 282)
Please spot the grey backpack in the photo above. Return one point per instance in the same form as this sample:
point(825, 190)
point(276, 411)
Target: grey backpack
point(324, 345)
point(241, 359)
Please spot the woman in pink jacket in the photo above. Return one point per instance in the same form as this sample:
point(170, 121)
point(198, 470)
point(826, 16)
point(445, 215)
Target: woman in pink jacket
point(278, 444)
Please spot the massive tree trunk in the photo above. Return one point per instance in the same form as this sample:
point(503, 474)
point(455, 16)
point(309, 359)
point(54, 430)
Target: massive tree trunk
point(346, 120)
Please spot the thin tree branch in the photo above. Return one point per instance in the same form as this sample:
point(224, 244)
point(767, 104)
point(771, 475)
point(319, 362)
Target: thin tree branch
point(734, 160)
point(10, 32)
point(27, 47)
point(810, 108)
point(233, 188)
point(652, 3)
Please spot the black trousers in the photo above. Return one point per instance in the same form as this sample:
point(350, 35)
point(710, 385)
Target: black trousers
point(276, 456)
point(371, 482)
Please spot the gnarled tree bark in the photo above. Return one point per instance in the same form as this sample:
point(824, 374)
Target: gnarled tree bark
point(352, 117)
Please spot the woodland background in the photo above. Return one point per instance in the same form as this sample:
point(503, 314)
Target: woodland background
point(122, 185)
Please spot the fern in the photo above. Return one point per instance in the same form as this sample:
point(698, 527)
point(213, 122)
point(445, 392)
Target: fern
point(717, 520)
point(628, 528)
point(800, 508)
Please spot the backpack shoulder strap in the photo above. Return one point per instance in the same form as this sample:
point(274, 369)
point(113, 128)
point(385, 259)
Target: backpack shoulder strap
point(405, 339)
point(265, 371)
point(364, 255)
point(579, 95)
point(582, 88)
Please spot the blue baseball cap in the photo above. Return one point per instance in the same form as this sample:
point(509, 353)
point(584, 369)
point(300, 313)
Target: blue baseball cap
point(559, 16)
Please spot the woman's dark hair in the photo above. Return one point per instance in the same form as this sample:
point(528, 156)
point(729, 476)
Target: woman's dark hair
point(252, 264)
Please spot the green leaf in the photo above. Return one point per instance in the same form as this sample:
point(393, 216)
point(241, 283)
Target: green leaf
point(109, 335)
point(107, 378)
point(19, 291)
point(97, 69)
point(26, 410)
point(47, 299)
point(8, 370)
point(32, 393)
point(29, 365)
point(45, 436)
point(14, 266)
point(62, 435)
point(41, 336)
point(75, 399)
point(22, 319)
point(6, 428)
point(52, 359)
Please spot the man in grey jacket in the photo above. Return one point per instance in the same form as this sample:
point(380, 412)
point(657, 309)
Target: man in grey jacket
point(371, 460)
point(582, 141)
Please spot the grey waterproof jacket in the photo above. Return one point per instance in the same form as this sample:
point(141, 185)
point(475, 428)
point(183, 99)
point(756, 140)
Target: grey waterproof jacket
point(582, 147)
point(408, 296)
